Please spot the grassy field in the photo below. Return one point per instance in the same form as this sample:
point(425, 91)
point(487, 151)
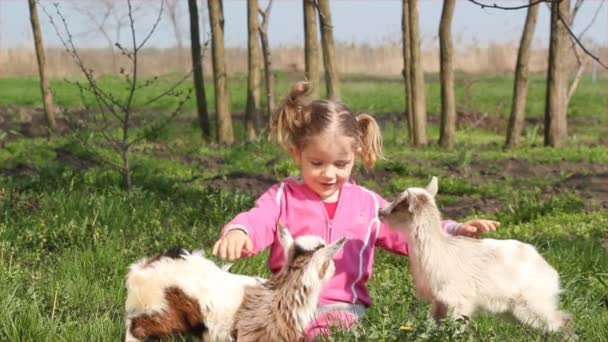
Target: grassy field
point(68, 230)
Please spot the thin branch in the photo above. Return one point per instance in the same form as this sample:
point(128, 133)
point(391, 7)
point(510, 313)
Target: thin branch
point(578, 42)
point(160, 12)
point(597, 12)
point(169, 90)
point(510, 8)
point(68, 44)
point(163, 123)
point(98, 98)
point(265, 13)
point(577, 7)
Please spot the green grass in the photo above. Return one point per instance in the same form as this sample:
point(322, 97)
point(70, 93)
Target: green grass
point(67, 236)
point(491, 94)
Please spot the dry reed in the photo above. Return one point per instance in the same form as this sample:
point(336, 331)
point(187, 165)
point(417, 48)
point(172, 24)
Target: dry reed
point(364, 59)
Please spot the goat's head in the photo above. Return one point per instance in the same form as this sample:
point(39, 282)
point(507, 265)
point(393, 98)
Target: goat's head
point(404, 210)
point(309, 254)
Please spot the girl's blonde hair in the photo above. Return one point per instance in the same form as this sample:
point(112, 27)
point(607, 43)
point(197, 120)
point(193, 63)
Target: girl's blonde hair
point(299, 119)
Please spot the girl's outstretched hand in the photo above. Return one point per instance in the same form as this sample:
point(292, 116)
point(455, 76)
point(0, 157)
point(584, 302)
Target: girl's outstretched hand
point(230, 246)
point(475, 228)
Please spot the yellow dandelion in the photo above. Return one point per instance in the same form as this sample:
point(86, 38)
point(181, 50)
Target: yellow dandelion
point(406, 328)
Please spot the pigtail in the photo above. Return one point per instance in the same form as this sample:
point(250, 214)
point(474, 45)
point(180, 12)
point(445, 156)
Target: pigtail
point(292, 114)
point(371, 140)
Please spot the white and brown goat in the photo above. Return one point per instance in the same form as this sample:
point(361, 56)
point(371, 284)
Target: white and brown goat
point(279, 309)
point(182, 292)
point(461, 275)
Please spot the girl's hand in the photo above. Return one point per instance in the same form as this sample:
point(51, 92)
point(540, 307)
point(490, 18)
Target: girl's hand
point(475, 228)
point(231, 245)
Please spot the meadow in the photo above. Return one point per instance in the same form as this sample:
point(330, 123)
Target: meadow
point(68, 229)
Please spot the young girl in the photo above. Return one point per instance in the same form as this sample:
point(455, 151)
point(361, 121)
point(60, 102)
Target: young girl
point(325, 138)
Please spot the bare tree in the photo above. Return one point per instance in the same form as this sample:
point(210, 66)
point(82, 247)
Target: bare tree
point(174, 17)
point(558, 93)
point(113, 111)
point(448, 107)
point(417, 82)
point(329, 55)
point(556, 124)
point(252, 111)
point(581, 59)
point(197, 68)
point(99, 15)
point(47, 98)
point(108, 17)
point(311, 46)
point(406, 72)
point(563, 20)
point(263, 29)
point(225, 133)
point(520, 85)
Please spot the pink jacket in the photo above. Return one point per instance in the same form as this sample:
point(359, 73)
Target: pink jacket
point(299, 208)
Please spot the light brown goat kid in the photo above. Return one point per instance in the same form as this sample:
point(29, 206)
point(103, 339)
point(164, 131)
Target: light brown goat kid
point(278, 310)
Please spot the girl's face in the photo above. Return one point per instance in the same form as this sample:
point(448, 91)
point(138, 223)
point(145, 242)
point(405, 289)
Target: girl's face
point(326, 162)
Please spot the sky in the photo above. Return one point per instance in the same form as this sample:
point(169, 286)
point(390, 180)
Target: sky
point(355, 21)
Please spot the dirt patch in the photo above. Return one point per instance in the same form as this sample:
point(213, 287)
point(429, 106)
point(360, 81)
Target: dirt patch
point(605, 244)
point(212, 164)
point(593, 187)
point(27, 121)
point(250, 183)
point(19, 170)
point(466, 206)
point(464, 119)
point(587, 180)
point(75, 162)
point(590, 181)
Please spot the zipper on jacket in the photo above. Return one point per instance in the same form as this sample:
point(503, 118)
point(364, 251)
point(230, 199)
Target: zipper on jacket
point(329, 224)
point(330, 221)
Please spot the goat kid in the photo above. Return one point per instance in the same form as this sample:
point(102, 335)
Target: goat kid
point(278, 310)
point(182, 292)
point(461, 275)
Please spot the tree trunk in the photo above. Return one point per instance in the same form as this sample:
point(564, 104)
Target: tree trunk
point(172, 10)
point(417, 82)
point(405, 36)
point(197, 68)
point(556, 125)
point(448, 106)
point(520, 86)
point(47, 97)
point(311, 46)
point(225, 134)
point(329, 55)
point(263, 28)
point(252, 123)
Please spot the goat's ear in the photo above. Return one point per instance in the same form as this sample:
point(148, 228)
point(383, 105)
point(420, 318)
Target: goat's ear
point(432, 187)
point(329, 251)
point(285, 237)
point(410, 201)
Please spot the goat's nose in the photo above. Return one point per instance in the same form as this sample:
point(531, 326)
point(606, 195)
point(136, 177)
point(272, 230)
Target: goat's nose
point(380, 214)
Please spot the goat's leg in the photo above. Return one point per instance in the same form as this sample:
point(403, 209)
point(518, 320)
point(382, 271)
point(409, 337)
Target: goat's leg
point(205, 336)
point(128, 335)
point(438, 310)
point(461, 309)
point(542, 314)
